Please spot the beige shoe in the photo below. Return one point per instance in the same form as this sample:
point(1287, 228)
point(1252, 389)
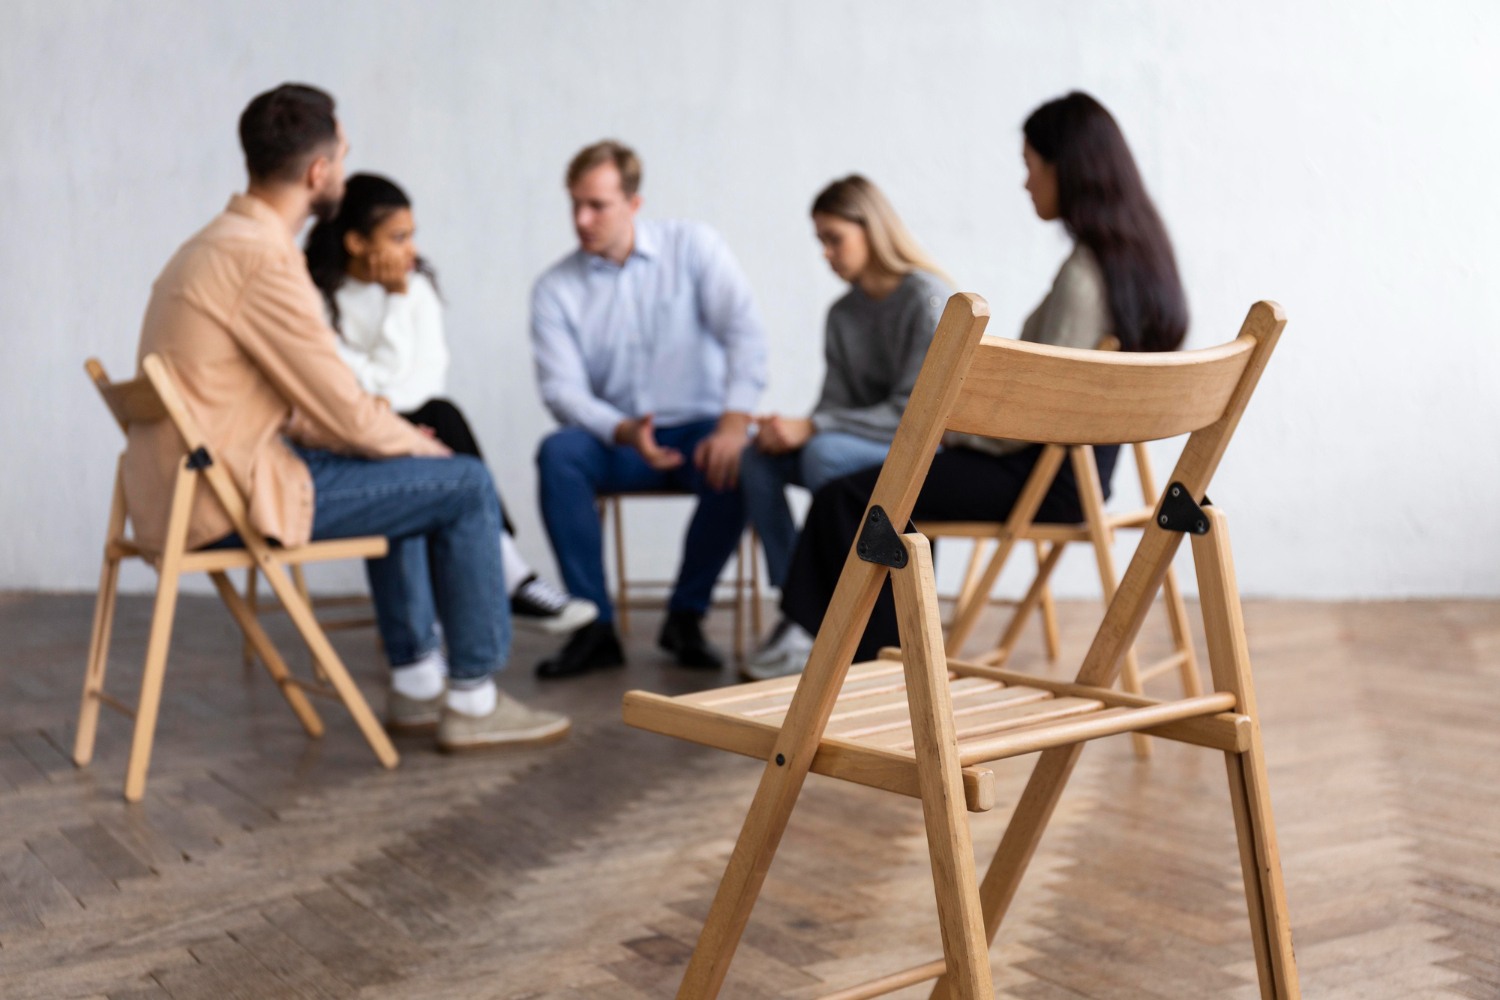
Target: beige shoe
point(511, 724)
point(406, 715)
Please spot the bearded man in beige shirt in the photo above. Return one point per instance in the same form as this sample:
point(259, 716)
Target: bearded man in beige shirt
point(238, 319)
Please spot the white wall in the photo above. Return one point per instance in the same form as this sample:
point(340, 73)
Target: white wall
point(1339, 157)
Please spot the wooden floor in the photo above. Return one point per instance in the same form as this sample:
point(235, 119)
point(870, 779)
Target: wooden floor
point(264, 865)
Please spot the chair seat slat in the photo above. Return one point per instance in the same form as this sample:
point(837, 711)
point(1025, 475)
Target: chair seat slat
point(836, 758)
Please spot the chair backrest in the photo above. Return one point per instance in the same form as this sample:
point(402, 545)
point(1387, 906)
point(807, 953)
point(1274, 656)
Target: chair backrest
point(1005, 388)
point(1057, 395)
point(152, 397)
point(130, 402)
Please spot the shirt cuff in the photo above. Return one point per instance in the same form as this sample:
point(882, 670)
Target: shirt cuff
point(601, 422)
point(742, 397)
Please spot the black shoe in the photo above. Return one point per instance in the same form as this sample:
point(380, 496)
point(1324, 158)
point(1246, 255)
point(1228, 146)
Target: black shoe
point(593, 647)
point(682, 636)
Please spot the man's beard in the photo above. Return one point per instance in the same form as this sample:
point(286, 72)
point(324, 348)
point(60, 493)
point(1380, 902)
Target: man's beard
point(325, 207)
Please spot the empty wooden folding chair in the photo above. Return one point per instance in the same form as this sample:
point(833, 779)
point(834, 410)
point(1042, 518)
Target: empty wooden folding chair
point(1097, 530)
point(151, 398)
point(927, 726)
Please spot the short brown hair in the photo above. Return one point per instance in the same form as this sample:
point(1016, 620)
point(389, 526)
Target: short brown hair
point(281, 129)
point(608, 151)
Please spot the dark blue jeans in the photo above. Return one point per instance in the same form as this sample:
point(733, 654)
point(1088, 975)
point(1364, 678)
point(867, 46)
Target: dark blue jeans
point(442, 517)
point(575, 467)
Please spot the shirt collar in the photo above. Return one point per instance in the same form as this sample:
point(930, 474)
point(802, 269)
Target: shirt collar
point(265, 215)
point(646, 242)
point(646, 245)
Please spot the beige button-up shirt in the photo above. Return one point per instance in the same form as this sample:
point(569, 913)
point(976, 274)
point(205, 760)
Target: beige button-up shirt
point(242, 326)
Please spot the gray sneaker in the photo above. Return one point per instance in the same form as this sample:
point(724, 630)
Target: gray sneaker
point(405, 715)
point(511, 724)
point(783, 654)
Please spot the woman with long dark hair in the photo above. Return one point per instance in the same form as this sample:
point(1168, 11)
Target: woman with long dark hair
point(873, 344)
point(382, 298)
point(1120, 280)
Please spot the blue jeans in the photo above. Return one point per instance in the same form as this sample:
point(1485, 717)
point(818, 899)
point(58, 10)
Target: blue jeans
point(442, 517)
point(575, 467)
point(764, 479)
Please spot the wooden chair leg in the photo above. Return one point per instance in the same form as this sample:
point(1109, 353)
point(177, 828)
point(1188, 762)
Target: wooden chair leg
point(965, 947)
point(104, 617)
point(1091, 496)
point(275, 666)
point(93, 678)
point(151, 681)
point(1182, 636)
point(741, 580)
point(1038, 590)
point(300, 579)
point(252, 600)
point(756, 628)
point(1021, 515)
point(338, 676)
point(1130, 682)
point(1260, 860)
point(1249, 791)
point(622, 596)
point(1033, 812)
point(1050, 636)
point(781, 782)
point(160, 638)
point(971, 577)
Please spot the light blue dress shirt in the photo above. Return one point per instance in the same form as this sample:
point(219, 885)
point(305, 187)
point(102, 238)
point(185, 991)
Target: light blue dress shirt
point(673, 332)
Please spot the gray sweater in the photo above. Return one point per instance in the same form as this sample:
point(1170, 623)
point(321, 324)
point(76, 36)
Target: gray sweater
point(873, 351)
point(1075, 313)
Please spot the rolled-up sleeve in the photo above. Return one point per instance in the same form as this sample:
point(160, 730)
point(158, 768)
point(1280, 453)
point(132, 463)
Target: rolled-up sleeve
point(561, 374)
point(729, 313)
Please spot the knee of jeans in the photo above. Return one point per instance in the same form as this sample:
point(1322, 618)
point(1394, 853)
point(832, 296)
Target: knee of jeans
point(474, 476)
point(754, 468)
point(819, 459)
point(562, 448)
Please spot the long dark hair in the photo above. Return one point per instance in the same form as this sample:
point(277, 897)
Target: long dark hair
point(369, 200)
point(1104, 206)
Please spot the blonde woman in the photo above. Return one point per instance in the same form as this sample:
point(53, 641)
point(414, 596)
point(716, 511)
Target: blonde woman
point(876, 337)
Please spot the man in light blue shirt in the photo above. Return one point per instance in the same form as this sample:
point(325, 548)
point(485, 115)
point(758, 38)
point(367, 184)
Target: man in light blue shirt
point(650, 353)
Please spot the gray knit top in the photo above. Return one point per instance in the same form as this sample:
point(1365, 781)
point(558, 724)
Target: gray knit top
point(873, 350)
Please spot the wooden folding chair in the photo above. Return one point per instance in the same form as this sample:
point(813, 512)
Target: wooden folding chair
point(744, 587)
point(154, 397)
point(924, 725)
point(348, 620)
point(1096, 530)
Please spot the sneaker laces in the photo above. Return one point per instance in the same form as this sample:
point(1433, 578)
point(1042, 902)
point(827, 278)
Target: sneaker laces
point(543, 594)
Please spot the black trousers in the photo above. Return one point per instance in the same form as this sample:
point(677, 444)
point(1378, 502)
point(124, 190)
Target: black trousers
point(449, 426)
point(963, 485)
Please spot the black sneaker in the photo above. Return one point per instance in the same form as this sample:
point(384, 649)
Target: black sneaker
point(541, 607)
point(682, 636)
point(593, 647)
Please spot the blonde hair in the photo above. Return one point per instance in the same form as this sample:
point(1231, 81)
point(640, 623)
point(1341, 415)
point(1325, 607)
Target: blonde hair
point(608, 151)
point(892, 246)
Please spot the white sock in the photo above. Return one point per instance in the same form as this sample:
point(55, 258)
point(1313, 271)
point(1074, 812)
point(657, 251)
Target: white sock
point(423, 679)
point(476, 699)
point(517, 569)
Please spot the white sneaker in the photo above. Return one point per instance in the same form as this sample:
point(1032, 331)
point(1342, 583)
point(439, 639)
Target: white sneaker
point(510, 724)
point(541, 607)
point(783, 654)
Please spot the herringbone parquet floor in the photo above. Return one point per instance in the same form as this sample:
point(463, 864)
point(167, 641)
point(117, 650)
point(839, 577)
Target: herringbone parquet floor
point(263, 865)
